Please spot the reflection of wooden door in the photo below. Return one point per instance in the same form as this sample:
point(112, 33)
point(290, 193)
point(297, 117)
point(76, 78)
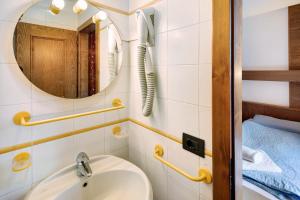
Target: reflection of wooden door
point(83, 63)
point(47, 64)
point(48, 57)
point(88, 65)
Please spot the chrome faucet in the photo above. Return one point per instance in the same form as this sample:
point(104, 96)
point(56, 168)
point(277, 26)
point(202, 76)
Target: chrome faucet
point(83, 167)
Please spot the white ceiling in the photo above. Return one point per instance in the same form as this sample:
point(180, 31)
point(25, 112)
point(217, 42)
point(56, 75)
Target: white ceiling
point(257, 7)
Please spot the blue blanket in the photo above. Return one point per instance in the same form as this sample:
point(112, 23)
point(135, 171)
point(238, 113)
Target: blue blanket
point(284, 149)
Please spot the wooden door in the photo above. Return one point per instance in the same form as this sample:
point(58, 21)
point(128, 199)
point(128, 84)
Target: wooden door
point(48, 62)
point(48, 57)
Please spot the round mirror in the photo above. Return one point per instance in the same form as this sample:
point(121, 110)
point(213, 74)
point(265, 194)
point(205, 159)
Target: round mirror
point(68, 48)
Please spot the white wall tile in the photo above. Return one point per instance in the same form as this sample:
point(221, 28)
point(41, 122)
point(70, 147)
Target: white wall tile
point(121, 153)
point(162, 82)
point(205, 10)
point(15, 88)
point(136, 143)
point(6, 35)
point(51, 107)
point(205, 85)
point(190, 164)
point(205, 126)
point(88, 121)
point(178, 189)
point(205, 47)
point(183, 46)
point(183, 83)
point(50, 157)
point(95, 101)
point(180, 15)
point(51, 129)
point(182, 117)
point(92, 142)
point(159, 51)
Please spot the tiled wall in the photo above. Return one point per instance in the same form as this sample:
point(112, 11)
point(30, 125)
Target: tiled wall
point(182, 58)
point(18, 94)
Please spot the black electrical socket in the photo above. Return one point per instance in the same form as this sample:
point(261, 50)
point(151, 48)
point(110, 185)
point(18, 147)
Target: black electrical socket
point(193, 144)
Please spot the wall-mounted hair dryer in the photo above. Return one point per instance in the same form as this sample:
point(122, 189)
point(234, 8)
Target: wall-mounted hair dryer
point(146, 39)
point(114, 49)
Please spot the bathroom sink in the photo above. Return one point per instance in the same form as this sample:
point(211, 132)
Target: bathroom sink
point(113, 179)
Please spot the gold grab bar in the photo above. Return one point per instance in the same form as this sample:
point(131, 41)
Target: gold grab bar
point(22, 118)
point(204, 175)
point(164, 134)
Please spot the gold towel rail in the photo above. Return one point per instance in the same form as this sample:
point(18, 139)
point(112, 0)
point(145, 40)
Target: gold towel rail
point(165, 134)
point(22, 118)
point(204, 175)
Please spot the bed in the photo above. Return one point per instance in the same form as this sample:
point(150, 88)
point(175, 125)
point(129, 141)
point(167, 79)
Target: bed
point(260, 185)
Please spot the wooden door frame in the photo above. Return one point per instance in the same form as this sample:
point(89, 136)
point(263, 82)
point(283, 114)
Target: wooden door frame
point(227, 99)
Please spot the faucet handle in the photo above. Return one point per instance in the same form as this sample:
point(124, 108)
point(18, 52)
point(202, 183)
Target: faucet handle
point(82, 157)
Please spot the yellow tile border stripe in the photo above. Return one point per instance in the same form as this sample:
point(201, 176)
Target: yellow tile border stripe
point(120, 11)
point(60, 136)
point(84, 130)
point(164, 134)
point(160, 132)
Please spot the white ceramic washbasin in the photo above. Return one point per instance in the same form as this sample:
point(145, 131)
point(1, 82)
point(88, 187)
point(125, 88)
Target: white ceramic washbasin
point(113, 179)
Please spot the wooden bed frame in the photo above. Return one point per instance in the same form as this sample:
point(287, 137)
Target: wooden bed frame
point(292, 76)
point(250, 109)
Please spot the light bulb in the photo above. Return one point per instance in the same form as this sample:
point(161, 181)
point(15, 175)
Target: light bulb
point(56, 6)
point(100, 16)
point(80, 5)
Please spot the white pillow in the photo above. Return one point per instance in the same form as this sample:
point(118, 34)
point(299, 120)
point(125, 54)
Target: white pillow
point(272, 122)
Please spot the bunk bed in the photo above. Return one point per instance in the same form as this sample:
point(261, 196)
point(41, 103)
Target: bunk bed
point(277, 139)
